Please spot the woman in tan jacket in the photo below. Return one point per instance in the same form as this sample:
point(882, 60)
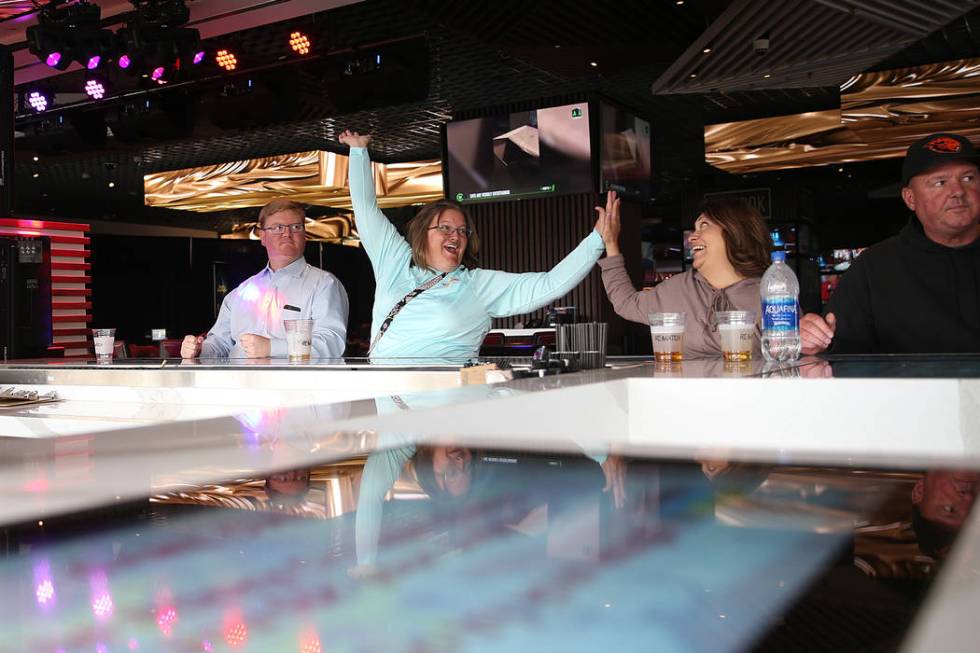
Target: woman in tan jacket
point(731, 247)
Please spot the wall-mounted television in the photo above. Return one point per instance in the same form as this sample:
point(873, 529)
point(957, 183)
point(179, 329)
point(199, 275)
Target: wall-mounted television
point(526, 154)
point(624, 146)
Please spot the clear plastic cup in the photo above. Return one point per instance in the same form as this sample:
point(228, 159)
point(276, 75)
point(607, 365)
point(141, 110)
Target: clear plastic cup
point(299, 339)
point(737, 333)
point(103, 339)
point(667, 333)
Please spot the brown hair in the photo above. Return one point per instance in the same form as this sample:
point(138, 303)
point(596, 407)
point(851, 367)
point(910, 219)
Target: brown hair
point(418, 233)
point(745, 233)
point(278, 206)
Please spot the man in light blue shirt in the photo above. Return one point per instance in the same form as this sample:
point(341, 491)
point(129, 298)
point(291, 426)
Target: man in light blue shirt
point(250, 322)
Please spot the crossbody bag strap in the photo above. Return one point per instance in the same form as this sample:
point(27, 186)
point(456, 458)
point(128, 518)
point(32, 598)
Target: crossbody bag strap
point(401, 304)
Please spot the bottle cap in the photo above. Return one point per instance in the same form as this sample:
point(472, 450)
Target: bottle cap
point(779, 255)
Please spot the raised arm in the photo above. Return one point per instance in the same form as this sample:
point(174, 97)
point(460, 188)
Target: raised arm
point(384, 245)
point(506, 293)
point(380, 473)
point(628, 302)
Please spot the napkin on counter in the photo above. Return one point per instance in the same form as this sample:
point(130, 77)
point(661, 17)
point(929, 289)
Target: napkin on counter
point(14, 396)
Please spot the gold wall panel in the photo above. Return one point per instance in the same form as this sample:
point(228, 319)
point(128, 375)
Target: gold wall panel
point(315, 177)
point(881, 114)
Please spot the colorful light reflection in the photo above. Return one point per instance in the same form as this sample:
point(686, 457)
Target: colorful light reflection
point(166, 619)
point(43, 585)
point(309, 642)
point(102, 605)
point(44, 592)
point(236, 634)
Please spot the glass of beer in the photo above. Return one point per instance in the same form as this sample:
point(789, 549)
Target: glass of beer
point(737, 333)
point(667, 332)
point(299, 339)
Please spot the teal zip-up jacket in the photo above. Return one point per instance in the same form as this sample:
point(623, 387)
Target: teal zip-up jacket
point(450, 319)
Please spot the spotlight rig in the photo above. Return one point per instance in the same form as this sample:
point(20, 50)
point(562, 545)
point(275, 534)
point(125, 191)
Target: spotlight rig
point(155, 44)
point(70, 31)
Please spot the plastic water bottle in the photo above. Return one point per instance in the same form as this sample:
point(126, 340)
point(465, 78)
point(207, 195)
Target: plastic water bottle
point(780, 311)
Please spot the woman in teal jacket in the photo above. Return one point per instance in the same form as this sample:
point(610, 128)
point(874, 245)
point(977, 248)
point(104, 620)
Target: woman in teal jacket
point(451, 316)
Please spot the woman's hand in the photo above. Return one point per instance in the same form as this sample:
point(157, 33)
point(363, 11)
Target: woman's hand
point(353, 139)
point(614, 469)
point(608, 224)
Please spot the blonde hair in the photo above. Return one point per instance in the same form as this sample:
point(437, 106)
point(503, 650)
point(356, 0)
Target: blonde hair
point(278, 206)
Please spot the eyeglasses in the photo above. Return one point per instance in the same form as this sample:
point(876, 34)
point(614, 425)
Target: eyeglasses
point(277, 229)
point(446, 230)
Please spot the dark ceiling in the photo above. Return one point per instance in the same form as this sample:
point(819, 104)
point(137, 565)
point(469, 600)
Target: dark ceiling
point(481, 55)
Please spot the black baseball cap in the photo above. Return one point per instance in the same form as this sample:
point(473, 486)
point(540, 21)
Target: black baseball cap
point(936, 149)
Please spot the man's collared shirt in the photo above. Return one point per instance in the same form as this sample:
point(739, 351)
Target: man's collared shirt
point(257, 306)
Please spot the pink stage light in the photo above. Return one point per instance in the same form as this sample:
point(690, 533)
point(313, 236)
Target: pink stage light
point(95, 89)
point(37, 101)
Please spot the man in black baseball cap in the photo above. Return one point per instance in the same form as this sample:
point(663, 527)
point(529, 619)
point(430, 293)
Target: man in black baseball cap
point(934, 150)
point(919, 291)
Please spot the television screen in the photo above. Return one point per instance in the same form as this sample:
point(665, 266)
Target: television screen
point(525, 154)
point(784, 237)
point(624, 152)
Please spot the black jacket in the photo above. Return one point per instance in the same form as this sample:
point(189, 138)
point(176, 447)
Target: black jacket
point(908, 294)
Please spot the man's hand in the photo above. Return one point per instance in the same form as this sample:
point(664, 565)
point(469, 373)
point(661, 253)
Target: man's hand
point(191, 346)
point(255, 346)
point(816, 333)
point(818, 370)
point(353, 139)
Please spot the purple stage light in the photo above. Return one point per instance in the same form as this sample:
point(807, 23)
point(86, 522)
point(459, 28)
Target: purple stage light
point(157, 73)
point(93, 62)
point(199, 57)
point(95, 89)
point(124, 61)
point(53, 59)
point(37, 101)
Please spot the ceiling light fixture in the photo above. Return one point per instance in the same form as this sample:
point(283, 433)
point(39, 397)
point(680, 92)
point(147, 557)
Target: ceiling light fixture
point(226, 59)
point(38, 99)
point(95, 88)
point(156, 39)
point(69, 32)
point(299, 42)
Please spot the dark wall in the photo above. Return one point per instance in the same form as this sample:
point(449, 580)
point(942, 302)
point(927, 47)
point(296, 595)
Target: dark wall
point(141, 283)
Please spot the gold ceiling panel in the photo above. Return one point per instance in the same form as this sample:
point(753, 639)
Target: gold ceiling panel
point(881, 114)
point(315, 177)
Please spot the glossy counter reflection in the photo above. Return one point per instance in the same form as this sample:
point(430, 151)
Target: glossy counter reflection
point(535, 554)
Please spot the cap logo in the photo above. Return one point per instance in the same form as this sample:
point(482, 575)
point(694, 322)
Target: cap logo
point(944, 145)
